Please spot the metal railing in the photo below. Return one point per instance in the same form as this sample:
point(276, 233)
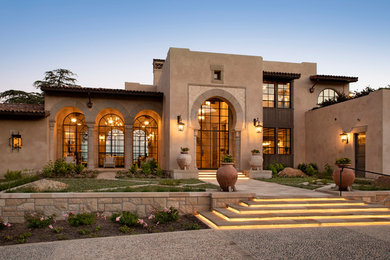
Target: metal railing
point(356, 170)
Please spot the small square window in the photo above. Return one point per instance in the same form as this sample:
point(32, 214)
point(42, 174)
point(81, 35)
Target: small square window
point(217, 75)
point(16, 141)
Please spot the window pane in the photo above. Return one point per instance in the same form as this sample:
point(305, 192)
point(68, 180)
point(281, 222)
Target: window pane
point(268, 95)
point(284, 141)
point(284, 95)
point(269, 141)
point(326, 94)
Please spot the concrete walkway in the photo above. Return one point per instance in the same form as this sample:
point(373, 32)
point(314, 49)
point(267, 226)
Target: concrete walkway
point(298, 243)
point(268, 189)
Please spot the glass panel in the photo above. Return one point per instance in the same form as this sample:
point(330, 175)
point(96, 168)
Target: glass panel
point(75, 138)
point(269, 140)
point(145, 139)
point(284, 95)
point(213, 137)
point(284, 141)
point(326, 94)
point(268, 95)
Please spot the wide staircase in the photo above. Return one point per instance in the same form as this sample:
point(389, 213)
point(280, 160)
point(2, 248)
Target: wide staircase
point(211, 175)
point(295, 213)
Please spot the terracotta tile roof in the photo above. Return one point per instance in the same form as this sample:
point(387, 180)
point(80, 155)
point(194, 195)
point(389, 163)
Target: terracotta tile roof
point(281, 75)
point(22, 109)
point(333, 78)
point(103, 91)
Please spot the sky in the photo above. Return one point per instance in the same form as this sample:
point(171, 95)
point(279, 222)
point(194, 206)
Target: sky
point(109, 42)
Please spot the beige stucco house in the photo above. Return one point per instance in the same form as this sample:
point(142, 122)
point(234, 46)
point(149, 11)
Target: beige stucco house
point(212, 103)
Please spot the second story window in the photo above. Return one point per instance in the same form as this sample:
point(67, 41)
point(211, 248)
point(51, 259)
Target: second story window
point(284, 95)
point(282, 91)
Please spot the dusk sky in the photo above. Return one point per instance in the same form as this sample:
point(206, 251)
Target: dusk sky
point(109, 42)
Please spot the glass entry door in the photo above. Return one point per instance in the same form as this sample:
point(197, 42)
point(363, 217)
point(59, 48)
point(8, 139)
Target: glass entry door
point(213, 137)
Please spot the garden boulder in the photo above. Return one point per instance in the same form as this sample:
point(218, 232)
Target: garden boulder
point(291, 172)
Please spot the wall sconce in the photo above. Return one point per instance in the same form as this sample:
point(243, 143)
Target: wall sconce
point(101, 138)
point(258, 125)
point(180, 124)
point(344, 138)
point(15, 141)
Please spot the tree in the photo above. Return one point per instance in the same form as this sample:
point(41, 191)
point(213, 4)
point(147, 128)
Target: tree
point(19, 96)
point(57, 78)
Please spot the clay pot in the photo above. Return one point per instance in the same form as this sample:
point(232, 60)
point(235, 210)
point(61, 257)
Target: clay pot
point(184, 160)
point(256, 161)
point(347, 178)
point(227, 176)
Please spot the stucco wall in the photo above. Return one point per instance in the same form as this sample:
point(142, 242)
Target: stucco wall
point(33, 154)
point(188, 68)
point(364, 114)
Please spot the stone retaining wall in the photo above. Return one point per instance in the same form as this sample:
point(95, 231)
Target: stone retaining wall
point(13, 206)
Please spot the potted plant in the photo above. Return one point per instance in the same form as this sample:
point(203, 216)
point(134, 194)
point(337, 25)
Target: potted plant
point(184, 159)
point(347, 175)
point(256, 161)
point(227, 174)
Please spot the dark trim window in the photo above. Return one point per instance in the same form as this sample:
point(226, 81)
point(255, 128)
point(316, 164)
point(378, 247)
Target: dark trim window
point(145, 139)
point(326, 94)
point(279, 136)
point(16, 141)
point(268, 95)
point(280, 89)
point(284, 141)
point(269, 140)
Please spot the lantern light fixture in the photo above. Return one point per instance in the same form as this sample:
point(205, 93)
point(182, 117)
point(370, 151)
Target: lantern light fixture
point(258, 125)
point(344, 137)
point(180, 124)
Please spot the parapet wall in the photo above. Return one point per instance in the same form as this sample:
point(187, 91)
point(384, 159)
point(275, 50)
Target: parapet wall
point(13, 206)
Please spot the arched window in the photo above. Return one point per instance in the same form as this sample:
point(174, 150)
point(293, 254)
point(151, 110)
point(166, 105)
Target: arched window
point(145, 138)
point(326, 94)
point(75, 138)
point(112, 139)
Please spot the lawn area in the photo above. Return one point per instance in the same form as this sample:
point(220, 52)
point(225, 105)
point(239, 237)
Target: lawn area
point(126, 185)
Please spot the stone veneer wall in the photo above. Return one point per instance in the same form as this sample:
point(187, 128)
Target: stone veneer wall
point(13, 206)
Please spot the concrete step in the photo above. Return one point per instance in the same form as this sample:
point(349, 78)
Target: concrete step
point(321, 203)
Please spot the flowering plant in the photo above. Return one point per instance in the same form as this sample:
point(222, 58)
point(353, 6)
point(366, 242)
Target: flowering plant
point(166, 215)
point(38, 220)
point(4, 224)
point(125, 218)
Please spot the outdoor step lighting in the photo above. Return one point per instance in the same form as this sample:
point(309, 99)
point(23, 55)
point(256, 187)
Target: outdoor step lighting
point(344, 137)
point(258, 125)
point(180, 124)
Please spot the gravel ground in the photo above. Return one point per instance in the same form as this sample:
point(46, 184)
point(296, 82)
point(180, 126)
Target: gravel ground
point(306, 243)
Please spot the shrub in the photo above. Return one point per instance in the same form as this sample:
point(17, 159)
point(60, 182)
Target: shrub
point(309, 169)
point(81, 219)
point(190, 226)
point(134, 168)
point(22, 237)
point(146, 168)
point(61, 168)
point(166, 215)
point(125, 218)
point(184, 149)
point(255, 151)
point(38, 220)
point(125, 229)
point(13, 175)
point(227, 158)
point(343, 161)
point(3, 224)
point(276, 167)
point(78, 168)
point(159, 172)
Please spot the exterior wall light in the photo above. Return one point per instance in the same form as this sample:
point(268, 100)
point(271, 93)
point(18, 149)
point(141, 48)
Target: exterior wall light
point(344, 138)
point(180, 124)
point(15, 141)
point(258, 125)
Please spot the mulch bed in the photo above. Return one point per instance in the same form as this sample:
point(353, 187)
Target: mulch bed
point(19, 233)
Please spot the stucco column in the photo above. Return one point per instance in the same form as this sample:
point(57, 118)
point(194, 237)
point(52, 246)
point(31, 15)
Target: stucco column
point(51, 141)
point(194, 150)
point(237, 155)
point(128, 146)
point(91, 146)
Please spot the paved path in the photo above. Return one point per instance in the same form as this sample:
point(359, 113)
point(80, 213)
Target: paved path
point(306, 243)
point(268, 189)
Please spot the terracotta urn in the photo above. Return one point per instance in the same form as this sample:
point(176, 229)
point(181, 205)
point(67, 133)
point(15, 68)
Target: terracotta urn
point(184, 160)
point(347, 177)
point(227, 176)
point(256, 161)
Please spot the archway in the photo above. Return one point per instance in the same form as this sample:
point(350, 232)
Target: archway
point(111, 132)
point(75, 138)
point(145, 138)
point(213, 139)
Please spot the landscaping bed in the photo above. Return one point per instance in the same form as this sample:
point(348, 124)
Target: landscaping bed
point(102, 227)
